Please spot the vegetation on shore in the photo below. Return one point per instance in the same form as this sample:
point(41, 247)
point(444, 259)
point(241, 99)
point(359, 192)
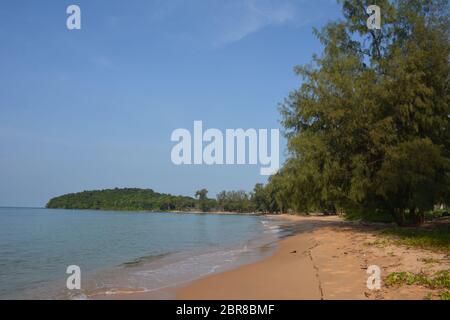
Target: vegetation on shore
point(435, 238)
point(434, 273)
point(368, 130)
point(129, 199)
point(133, 199)
point(439, 281)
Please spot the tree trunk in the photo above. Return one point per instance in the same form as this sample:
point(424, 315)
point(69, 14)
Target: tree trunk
point(399, 216)
point(417, 216)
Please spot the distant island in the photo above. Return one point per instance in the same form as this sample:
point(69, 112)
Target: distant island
point(127, 199)
point(135, 199)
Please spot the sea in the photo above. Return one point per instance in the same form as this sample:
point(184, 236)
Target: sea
point(120, 253)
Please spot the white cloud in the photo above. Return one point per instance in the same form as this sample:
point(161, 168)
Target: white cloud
point(221, 22)
point(252, 16)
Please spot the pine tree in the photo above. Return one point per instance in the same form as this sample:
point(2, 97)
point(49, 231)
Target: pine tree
point(368, 130)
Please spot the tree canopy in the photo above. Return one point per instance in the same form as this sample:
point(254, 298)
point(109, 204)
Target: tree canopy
point(368, 129)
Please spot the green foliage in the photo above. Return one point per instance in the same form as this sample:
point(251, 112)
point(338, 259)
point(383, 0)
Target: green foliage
point(234, 201)
point(385, 217)
point(429, 296)
point(445, 295)
point(202, 194)
point(122, 199)
point(204, 204)
point(428, 238)
point(147, 200)
point(269, 198)
point(368, 130)
point(434, 214)
point(441, 280)
point(369, 216)
point(400, 278)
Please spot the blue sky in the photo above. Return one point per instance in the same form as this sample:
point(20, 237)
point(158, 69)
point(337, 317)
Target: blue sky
point(95, 108)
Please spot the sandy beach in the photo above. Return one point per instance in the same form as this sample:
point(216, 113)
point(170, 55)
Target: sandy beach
point(325, 258)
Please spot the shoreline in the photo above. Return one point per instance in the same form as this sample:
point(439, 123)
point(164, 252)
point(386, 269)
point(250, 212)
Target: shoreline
point(147, 211)
point(288, 274)
point(324, 258)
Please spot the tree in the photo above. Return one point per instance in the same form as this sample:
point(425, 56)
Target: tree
point(235, 201)
point(369, 127)
point(202, 196)
point(259, 198)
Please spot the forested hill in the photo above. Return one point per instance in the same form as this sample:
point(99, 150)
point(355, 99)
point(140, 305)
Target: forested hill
point(122, 199)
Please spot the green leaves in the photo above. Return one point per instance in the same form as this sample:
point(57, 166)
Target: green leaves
point(369, 126)
point(412, 174)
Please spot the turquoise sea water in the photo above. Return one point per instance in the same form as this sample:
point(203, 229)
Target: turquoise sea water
point(121, 250)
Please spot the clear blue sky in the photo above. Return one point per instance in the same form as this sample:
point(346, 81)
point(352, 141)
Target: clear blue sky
point(95, 108)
